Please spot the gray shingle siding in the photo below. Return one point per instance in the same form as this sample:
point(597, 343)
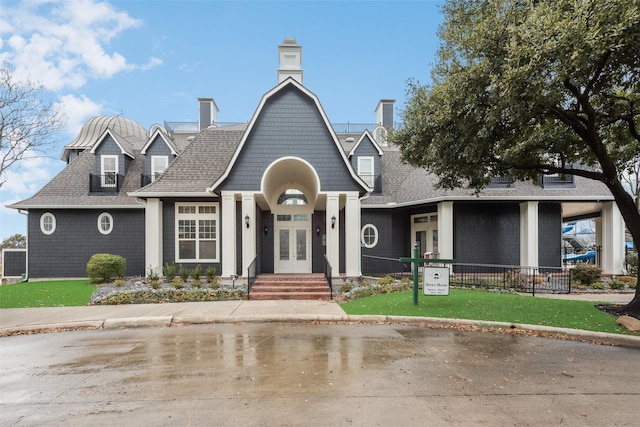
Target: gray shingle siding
point(289, 124)
point(65, 253)
point(108, 147)
point(15, 263)
point(169, 232)
point(550, 234)
point(487, 233)
point(156, 148)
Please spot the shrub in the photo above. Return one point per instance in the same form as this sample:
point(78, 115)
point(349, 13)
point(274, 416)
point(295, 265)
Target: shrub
point(155, 284)
point(102, 267)
point(632, 263)
point(169, 271)
point(596, 285)
point(197, 283)
point(386, 280)
point(196, 272)
point(152, 274)
point(346, 287)
point(586, 273)
point(118, 282)
point(178, 282)
point(210, 273)
point(616, 284)
point(184, 273)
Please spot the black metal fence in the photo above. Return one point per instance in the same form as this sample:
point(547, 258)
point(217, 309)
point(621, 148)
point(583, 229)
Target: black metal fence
point(505, 277)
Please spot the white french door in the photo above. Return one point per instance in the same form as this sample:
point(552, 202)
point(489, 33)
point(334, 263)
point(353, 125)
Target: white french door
point(292, 243)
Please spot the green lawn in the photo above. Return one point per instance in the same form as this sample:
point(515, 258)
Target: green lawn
point(481, 305)
point(56, 293)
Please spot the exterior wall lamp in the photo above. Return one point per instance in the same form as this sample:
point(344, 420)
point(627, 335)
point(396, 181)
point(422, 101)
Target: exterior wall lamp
point(318, 230)
point(266, 230)
point(333, 221)
point(246, 220)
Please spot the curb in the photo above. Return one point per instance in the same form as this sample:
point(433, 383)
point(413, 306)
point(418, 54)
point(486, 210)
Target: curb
point(199, 319)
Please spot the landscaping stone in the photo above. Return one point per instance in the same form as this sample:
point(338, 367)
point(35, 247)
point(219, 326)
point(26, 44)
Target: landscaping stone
point(631, 323)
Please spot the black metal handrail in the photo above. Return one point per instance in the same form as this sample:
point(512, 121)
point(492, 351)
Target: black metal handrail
point(105, 183)
point(252, 274)
point(328, 272)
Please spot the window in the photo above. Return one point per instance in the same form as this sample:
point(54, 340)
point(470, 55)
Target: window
point(197, 232)
point(369, 236)
point(365, 170)
point(105, 223)
point(292, 197)
point(47, 223)
point(158, 165)
point(109, 171)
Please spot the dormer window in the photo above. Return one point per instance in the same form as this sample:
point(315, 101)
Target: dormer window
point(365, 170)
point(158, 165)
point(109, 171)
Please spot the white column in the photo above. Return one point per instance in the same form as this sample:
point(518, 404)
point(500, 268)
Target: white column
point(228, 234)
point(445, 230)
point(153, 235)
point(529, 234)
point(352, 235)
point(248, 232)
point(612, 252)
point(333, 233)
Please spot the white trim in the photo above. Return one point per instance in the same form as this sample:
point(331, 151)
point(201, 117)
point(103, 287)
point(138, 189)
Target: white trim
point(153, 234)
point(263, 101)
point(197, 217)
point(529, 235)
point(445, 230)
point(228, 233)
point(104, 171)
point(101, 139)
point(154, 159)
point(371, 174)
point(248, 207)
point(105, 215)
point(153, 137)
point(373, 142)
point(612, 239)
point(53, 223)
point(375, 236)
point(333, 233)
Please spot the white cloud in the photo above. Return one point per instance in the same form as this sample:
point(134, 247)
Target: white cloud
point(62, 44)
point(77, 111)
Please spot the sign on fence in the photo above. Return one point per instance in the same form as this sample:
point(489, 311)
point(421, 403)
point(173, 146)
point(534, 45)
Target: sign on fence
point(435, 280)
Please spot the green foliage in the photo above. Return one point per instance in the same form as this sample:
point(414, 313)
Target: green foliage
point(210, 274)
point(102, 267)
point(196, 283)
point(196, 272)
point(184, 273)
point(632, 262)
point(17, 241)
point(386, 280)
point(178, 282)
point(597, 285)
point(616, 284)
point(118, 282)
point(172, 295)
point(55, 293)
point(155, 284)
point(169, 271)
point(346, 287)
point(152, 274)
point(492, 306)
point(586, 273)
point(528, 88)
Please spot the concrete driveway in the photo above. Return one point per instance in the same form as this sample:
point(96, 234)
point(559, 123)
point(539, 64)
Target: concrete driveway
point(313, 374)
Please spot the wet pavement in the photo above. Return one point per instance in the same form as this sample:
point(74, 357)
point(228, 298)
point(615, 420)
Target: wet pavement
point(313, 374)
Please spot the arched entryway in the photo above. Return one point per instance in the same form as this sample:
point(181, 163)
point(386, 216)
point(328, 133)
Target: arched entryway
point(290, 187)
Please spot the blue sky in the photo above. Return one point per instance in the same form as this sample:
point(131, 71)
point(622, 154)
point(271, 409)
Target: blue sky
point(151, 60)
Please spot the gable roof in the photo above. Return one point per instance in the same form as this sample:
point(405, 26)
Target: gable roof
point(288, 82)
point(159, 133)
point(122, 143)
point(366, 134)
point(70, 188)
point(202, 162)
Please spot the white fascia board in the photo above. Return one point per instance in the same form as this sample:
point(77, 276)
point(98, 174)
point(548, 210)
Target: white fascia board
point(80, 207)
point(373, 141)
point(157, 133)
point(145, 195)
point(265, 97)
point(101, 139)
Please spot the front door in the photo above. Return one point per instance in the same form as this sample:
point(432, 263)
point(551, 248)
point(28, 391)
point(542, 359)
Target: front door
point(292, 244)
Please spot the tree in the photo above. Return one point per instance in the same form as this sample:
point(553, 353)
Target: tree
point(631, 179)
point(524, 88)
point(17, 241)
point(28, 121)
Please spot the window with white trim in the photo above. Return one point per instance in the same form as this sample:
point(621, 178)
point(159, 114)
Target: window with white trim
point(105, 223)
point(369, 236)
point(109, 165)
point(365, 170)
point(158, 165)
point(47, 223)
point(197, 232)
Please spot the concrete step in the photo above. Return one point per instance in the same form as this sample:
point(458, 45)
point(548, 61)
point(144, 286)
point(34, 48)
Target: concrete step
point(290, 286)
point(262, 296)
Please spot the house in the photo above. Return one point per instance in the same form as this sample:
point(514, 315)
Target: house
point(287, 192)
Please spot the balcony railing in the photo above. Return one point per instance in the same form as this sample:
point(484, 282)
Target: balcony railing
point(108, 183)
point(557, 180)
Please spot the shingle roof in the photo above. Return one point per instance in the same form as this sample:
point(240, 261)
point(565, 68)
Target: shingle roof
point(404, 184)
point(200, 164)
point(70, 188)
